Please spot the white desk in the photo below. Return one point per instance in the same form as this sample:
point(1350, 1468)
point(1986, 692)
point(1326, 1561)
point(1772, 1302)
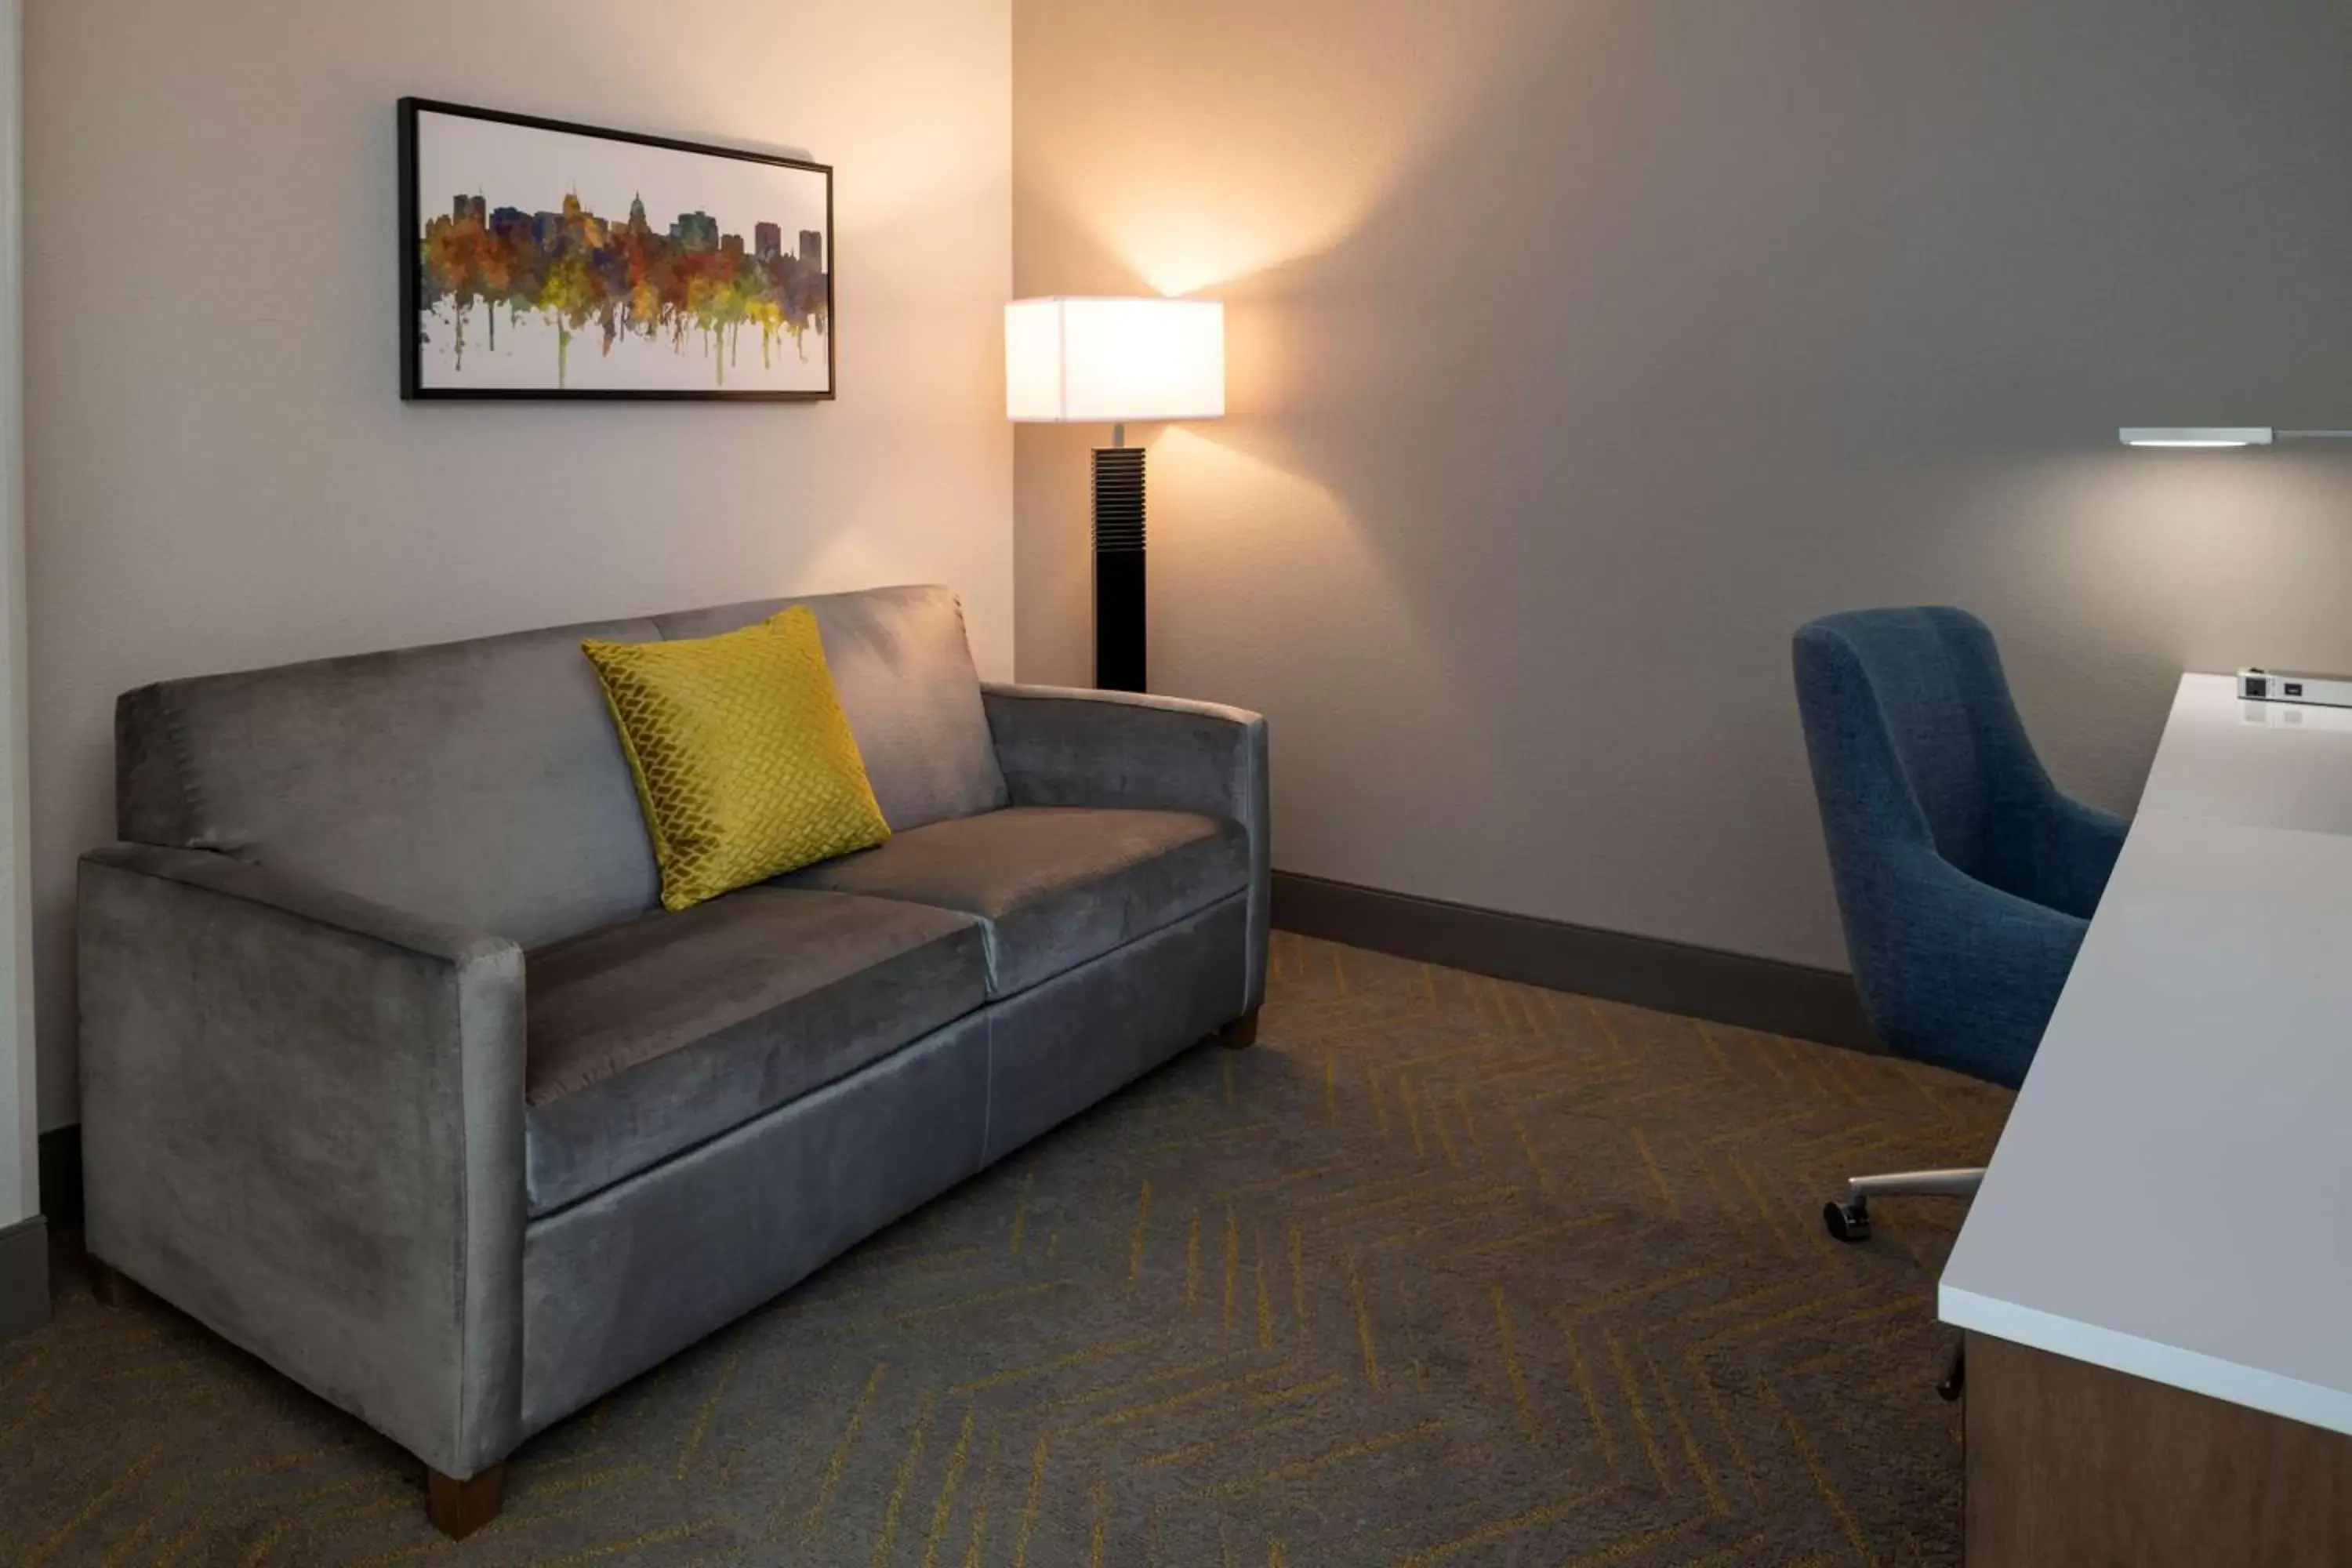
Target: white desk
point(2253, 764)
point(2173, 1196)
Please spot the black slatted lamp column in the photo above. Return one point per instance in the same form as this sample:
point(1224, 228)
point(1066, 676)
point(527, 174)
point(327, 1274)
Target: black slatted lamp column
point(1070, 360)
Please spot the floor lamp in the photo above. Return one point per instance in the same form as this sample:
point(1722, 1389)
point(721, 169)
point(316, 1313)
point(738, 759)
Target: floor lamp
point(1070, 360)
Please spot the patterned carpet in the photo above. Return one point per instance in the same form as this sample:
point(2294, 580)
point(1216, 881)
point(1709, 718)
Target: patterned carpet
point(1444, 1271)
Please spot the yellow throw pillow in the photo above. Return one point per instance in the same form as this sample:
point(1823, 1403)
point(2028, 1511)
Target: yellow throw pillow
point(745, 765)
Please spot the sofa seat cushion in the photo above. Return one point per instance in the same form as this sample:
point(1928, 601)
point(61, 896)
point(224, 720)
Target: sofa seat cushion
point(650, 1037)
point(1054, 885)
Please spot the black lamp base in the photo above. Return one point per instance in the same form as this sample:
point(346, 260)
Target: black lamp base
point(1119, 568)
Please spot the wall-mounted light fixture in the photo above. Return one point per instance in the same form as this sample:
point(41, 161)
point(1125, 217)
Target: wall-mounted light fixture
point(2212, 437)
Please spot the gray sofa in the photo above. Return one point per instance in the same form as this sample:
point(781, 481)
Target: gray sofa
point(394, 1074)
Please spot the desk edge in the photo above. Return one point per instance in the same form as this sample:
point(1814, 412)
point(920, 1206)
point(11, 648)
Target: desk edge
point(2272, 1393)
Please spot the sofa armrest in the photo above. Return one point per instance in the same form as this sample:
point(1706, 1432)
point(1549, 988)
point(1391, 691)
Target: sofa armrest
point(302, 1124)
point(1065, 746)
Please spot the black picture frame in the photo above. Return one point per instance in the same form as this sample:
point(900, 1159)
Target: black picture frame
point(413, 387)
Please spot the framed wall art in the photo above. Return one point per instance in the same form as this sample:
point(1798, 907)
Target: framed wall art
point(545, 259)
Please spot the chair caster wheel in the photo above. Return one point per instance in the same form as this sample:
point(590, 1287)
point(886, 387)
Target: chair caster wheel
point(1847, 1222)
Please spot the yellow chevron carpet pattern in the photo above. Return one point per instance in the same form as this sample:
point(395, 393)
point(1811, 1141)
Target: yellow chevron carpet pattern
point(1444, 1271)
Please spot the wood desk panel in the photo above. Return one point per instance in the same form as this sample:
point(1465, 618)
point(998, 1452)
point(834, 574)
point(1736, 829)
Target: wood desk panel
point(2072, 1464)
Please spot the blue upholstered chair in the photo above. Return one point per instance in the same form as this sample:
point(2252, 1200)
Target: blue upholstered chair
point(1964, 877)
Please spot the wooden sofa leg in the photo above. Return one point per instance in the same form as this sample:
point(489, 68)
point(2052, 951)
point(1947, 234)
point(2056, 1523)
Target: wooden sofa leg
point(114, 1289)
point(458, 1509)
point(1241, 1034)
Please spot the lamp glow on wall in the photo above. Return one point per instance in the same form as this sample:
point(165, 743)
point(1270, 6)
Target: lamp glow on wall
point(1070, 360)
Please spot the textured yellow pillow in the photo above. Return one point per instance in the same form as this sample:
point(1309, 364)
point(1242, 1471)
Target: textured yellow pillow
point(745, 765)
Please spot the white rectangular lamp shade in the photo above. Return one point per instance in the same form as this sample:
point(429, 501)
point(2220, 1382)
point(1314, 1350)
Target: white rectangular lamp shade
point(1072, 360)
point(2196, 435)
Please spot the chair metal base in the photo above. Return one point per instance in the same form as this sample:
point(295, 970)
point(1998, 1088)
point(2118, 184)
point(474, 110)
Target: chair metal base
point(1850, 1220)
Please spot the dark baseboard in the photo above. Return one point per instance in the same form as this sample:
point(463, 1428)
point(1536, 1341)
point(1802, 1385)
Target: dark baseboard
point(60, 1148)
point(1760, 994)
point(23, 1277)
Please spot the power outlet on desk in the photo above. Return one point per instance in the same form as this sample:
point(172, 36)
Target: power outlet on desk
point(2295, 686)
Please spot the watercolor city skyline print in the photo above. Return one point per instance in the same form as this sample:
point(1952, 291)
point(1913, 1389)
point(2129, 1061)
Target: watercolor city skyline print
point(556, 261)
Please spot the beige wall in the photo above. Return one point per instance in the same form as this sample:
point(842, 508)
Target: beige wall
point(1581, 350)
point(221, 474)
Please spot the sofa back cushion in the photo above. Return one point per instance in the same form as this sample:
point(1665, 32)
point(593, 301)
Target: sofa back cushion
point(481, 783)
point(904, 671)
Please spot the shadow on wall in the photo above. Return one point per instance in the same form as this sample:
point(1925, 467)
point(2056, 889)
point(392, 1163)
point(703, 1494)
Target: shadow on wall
point(1632, 337)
